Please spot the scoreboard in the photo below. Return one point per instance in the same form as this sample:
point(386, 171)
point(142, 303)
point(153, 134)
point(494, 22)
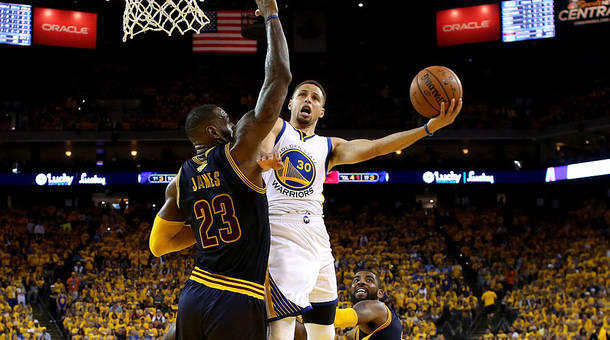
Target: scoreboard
point(364, 177)
point(155, 178)
point(15, 24)
point(527, 19)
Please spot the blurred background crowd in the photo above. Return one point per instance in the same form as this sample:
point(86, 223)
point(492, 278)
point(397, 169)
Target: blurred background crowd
point(495, 271)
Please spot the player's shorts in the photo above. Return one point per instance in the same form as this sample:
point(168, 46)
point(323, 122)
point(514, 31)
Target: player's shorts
point(218, 313)
point(301, 266)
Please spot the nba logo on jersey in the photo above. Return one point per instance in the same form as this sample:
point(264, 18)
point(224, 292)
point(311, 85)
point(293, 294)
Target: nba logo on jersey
point(299, 170)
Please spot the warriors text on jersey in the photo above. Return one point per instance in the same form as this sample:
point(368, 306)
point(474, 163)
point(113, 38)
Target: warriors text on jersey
point(297, 187)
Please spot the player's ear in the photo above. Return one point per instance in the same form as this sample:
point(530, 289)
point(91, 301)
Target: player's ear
point(380, 293)
point(290, 105)
point(212, 132)
point(322, 112)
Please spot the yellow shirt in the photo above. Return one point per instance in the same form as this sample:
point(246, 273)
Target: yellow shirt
point(489, 298)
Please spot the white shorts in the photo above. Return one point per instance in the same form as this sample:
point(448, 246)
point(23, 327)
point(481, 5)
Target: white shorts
point(301, 266)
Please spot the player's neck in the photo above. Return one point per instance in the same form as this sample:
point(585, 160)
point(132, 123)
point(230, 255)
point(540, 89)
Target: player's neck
point(309, 129)
point(202, 150)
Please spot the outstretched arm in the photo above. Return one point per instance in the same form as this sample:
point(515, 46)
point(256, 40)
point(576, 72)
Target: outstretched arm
point(359, 150)
point(255, 125)
point(367, 314)
point(169, 234)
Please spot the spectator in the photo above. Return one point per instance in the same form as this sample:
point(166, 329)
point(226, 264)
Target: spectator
point(44, 335)
point(73, 283)
point(78, 268)
point(489, 301)
point(32, 295)
point(21, 294)
point(39, 230)
point(61, 303)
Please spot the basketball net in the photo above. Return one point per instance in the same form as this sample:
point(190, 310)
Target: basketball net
point(162, 15)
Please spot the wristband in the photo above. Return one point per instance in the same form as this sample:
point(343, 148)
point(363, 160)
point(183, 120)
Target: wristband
point(428, 131)
point(272, 16)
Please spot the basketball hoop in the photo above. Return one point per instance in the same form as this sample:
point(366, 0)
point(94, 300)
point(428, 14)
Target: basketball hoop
point(162, 15)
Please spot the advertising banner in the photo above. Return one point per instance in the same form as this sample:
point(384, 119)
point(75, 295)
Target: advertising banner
point(468, 25)
point(583, 12)
point(65, 28)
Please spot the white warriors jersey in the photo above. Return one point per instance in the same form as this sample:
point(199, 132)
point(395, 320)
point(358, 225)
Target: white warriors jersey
point(297, 188)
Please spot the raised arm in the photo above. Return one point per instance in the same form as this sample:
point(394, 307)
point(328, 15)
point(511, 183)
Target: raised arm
point(255, 125)
point(359, 150)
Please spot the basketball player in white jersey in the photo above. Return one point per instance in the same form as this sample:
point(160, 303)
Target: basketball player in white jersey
point(301, 265)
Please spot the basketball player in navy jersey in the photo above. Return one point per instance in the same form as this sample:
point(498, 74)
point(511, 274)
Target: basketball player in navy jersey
point(302, 276)
point(369, 317)
point(218, 197)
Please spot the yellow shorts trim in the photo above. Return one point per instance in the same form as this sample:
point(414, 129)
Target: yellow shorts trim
point(228, 283)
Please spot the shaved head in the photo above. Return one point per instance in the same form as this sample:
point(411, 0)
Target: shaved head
point(198, 119)
point(208, 125)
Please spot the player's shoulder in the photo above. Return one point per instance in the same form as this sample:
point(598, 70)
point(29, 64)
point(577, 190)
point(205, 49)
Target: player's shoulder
point(336, 141)
point(279, 126)
point(374, 306)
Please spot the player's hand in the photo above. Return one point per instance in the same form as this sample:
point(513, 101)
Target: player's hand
point(270, 161)
point(266, 8)
point(446, 116)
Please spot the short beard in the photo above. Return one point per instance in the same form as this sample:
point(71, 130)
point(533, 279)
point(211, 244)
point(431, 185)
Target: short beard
point(303, 121)
point(370, 296)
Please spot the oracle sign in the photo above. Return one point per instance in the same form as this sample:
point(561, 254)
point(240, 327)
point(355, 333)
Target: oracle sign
point(65, 28)
point(468, 25)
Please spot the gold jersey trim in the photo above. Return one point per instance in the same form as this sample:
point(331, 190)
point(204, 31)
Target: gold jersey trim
point(240, 174)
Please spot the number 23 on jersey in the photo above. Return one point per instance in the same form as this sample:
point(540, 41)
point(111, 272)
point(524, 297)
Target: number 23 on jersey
point(221, 207)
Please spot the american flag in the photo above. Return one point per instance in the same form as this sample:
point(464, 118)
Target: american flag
point(223, 35)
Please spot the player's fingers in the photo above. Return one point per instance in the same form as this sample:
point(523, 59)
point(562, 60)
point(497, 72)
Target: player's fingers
point(449, 110)
point(458, 109)
point(442, 113)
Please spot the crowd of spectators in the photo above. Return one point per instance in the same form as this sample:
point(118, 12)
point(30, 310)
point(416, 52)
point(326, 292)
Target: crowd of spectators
point(94, 100)
point(537, 275)
point(34, 251)
point(549, 272)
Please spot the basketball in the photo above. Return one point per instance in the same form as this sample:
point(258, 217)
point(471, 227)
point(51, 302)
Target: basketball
point(432, 86)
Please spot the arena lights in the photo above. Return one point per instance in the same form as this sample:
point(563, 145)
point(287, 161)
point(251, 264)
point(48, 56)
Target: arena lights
point(134, 148)
point(578, 170)
point(68, 153)
point(429, 177)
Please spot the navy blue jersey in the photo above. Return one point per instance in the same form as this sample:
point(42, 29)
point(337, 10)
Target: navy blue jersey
point(229, 217)
point(390, 330)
